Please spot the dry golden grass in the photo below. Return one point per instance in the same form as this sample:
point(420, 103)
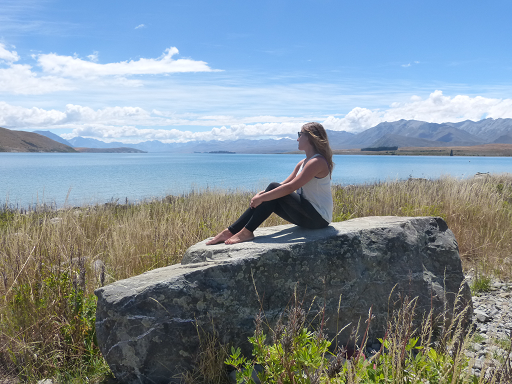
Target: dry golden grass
point(49, 258)
point(51, 262)
point(128, 239)
point(477, 210)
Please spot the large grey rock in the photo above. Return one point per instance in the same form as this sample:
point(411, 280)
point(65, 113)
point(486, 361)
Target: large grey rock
point(147, 326)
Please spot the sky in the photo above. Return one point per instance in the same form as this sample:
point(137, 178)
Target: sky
point(176, 71)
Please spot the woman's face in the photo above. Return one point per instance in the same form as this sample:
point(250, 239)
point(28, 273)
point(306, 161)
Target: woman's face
point(303, 140)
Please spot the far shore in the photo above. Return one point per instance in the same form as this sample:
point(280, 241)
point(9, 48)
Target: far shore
point(493, 150)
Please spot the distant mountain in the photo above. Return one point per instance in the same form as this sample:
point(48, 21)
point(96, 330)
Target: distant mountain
point(336, 138)
point(503, 139)
point(339, 139)
point(402, 133)
point(156, 146)
point(83, 142)
point(20, 141)
point(240, 146)
point(487, 130)
point(109, 150)
point(54, 137)
point(438, 134)
point(390, 140)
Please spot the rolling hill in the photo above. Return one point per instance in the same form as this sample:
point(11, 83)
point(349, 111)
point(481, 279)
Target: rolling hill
point(19, 141)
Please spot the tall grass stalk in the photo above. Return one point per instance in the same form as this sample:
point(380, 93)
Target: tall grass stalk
point(52, 260)
point(477, 210)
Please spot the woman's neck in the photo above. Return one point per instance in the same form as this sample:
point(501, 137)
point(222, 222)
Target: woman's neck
point(310, 152)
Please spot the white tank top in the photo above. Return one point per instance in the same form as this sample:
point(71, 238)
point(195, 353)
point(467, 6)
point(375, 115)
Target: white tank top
point(318, 192)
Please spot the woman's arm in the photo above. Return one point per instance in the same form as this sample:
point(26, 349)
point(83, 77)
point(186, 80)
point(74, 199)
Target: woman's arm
point(289, 178)
point(314, 167)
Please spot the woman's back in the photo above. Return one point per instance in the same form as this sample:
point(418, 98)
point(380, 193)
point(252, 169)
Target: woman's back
point(318, 192)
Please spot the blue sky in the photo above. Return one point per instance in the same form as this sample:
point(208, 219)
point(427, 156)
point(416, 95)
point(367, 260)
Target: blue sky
point(200, 69)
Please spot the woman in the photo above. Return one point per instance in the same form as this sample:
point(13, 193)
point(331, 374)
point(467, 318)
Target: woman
point(309, 207)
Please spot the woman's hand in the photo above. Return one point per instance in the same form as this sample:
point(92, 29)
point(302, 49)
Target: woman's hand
point(257, 199)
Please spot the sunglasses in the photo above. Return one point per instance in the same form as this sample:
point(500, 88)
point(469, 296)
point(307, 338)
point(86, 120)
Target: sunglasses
point(300, 133)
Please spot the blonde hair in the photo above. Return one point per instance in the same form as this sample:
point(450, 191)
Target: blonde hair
point(319, 140)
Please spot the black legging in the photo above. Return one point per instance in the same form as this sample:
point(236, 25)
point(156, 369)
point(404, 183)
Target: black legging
point(293, 208)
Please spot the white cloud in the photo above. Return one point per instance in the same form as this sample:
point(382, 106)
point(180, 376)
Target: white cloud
point(109, 115)
point(140, 26)
point(61, 73)
point(132, 134)
point(93, 57)
point(358, 119)
point(135, 124)
point(8, 56)
point(79, 117)
point(436, 109)
point(410, 64)
point(14, 116)
point(20, 79)
point(69, 66)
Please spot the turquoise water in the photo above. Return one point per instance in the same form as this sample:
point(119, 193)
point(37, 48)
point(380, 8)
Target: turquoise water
point(88, 178)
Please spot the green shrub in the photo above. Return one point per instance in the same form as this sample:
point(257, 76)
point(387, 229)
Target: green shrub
point(480, 284)
point(53, 327)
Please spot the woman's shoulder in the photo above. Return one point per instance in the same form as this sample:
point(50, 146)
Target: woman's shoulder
point(318, 158)
point(320, 163)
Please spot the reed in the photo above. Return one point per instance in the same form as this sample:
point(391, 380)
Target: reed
point(52, 260)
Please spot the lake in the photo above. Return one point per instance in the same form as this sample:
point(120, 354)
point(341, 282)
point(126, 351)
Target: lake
point(59, 179)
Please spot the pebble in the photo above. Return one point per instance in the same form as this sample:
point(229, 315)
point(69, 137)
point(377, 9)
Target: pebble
point(492, 325)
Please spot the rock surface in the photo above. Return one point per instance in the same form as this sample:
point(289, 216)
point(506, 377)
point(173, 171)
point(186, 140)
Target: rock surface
point(147, 326)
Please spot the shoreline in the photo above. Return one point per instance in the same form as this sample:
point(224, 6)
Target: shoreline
point(488, 150)
point(125, 202)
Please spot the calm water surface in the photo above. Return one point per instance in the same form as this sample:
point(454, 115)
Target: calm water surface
point(87, 178)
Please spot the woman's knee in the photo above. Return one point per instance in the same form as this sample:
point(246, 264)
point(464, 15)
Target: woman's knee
point(272, 186)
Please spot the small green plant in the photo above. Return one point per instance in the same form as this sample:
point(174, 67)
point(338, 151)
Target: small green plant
point(503, 343)
point(6, 217)
point(478, 338)
point(296, 355)
point(480, 284)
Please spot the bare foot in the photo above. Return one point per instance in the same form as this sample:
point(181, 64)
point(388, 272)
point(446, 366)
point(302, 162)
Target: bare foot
point(220, 238)
point(240, 237)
